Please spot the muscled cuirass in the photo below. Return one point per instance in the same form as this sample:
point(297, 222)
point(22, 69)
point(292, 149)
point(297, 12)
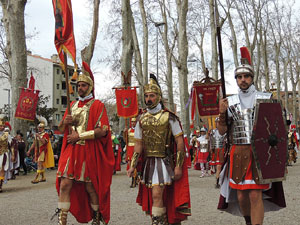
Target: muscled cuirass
point(39, 141)
point(155, 131)
point(3, 142)
point(243, 119)
point(131, 139)
point(216, 140)
point(80, 117)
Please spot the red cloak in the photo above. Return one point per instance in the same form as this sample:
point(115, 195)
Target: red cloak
point(99, 158)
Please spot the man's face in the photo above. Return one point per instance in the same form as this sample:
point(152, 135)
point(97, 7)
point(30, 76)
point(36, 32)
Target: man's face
point(150, 99)
point(40, 129)
point(133, 123)
point(19, 138)
point(82, 89)
point(1, 128)
point(244, 81)
point(202, 133)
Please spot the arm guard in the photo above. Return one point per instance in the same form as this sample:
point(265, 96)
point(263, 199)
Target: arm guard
point(87, 135)
point(134, 159)
point(180, 158)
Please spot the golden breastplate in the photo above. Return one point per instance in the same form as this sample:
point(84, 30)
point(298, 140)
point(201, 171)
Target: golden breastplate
point(155, 130)
point(131, 140)
point(3, 143)
point(80, 118)
point(40, 143)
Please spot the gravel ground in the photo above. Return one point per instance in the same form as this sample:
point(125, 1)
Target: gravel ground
point(24, 203)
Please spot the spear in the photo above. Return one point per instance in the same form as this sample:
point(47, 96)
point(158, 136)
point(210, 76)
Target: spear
point(222, 79)
point(220, 49)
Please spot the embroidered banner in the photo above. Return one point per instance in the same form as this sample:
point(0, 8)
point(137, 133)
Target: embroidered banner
point(207, 99)
point(127, 103)
point(27, 104)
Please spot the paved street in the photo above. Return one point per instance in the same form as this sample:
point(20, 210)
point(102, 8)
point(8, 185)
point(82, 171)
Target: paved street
point(23, 203)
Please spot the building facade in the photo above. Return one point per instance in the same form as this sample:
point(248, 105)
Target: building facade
point(50, 80)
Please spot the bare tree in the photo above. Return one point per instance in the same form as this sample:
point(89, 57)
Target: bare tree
point(213, 33)
point(13, 20)
point(88, 51)
point(127, 43)
point(181, 62)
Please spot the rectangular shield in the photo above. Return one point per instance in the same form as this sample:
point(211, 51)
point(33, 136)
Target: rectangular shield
point(269, 141)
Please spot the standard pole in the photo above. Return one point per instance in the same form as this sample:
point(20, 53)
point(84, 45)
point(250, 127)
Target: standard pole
point(157, 52)
point(67, 86)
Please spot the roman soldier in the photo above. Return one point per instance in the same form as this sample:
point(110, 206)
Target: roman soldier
point(201, 158)
point(87, 159)
point(217, 146)
point(4, 150)
point(164, 189)
point(242, 190)
point(130, 141)
point(292, 145)
point(43, 153)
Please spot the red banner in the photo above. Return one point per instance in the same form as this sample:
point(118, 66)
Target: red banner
point(207, 99)
point(27, 104)
point(64, 34)
point(127, 103)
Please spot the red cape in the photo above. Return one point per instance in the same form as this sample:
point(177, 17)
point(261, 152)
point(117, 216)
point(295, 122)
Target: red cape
point(118, 159)
point(99, 164)
point(176, 196)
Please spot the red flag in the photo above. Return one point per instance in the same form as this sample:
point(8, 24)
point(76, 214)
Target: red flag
point(127, 103)
point(27, 104)
point(64, 34)
point(31, 82)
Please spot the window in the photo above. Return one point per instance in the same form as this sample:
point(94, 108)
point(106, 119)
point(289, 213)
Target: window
point(57, 86)
point(57, 101)
point(63, 85)
point(57, 71)
point(63, 100)
point(57, 116)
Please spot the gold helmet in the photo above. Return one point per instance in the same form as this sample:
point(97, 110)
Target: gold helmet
point(2, 122)
point(133, 119)
point(87, 77)
point(153, 87)
point(43, 121)
point(41, 125)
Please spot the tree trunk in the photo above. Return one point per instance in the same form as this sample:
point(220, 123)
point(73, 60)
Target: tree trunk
point(127, 49)
point(168, 50)
point(213, 33)
point(277, 52)
point(88, 51)
point(233, 40)
point(294, 98)
point(265, 61)
point(145, 49)
point(285, 67)
point(182, 9)
point(13, 19)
